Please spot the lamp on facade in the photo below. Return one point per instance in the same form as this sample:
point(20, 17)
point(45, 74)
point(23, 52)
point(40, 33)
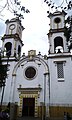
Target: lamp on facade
point(3, 74)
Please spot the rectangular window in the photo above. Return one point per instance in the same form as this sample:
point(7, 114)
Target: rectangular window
point(60, 72)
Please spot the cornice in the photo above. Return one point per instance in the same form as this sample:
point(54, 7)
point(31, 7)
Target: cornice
point(51, 31)
point(15, 36)
point(60, 55)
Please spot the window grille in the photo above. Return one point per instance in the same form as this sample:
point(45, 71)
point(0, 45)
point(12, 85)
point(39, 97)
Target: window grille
point(60, 71)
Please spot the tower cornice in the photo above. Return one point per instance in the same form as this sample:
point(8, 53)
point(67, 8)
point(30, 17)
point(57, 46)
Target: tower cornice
point(57, 13)
point(15, 36)
point(60, 55)
point(51, 31)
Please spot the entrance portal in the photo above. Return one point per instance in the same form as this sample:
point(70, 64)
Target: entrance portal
point(28, 107)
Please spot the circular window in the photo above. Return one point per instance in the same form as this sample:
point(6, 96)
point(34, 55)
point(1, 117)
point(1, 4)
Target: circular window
point(12, 26)
point(57, 20)
point(30, 72)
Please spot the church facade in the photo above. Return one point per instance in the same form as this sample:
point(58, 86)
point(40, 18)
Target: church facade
point(38, 85)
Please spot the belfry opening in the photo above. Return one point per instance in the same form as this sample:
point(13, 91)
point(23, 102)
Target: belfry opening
point(58, 44)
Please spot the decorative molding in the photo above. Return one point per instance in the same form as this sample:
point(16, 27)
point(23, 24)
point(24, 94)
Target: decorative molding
point(61, 61)
point(28, 93)
point(28, 90)
point(15, 36)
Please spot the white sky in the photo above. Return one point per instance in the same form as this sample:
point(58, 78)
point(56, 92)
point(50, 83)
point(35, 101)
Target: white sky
point(36, 25)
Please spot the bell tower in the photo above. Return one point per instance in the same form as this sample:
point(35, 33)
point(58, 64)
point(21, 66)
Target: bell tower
point(60, 62)
point(12, 42)
point(56, 36)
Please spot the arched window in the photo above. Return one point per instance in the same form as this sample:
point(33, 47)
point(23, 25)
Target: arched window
point(58, 44)
point(8, 47)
